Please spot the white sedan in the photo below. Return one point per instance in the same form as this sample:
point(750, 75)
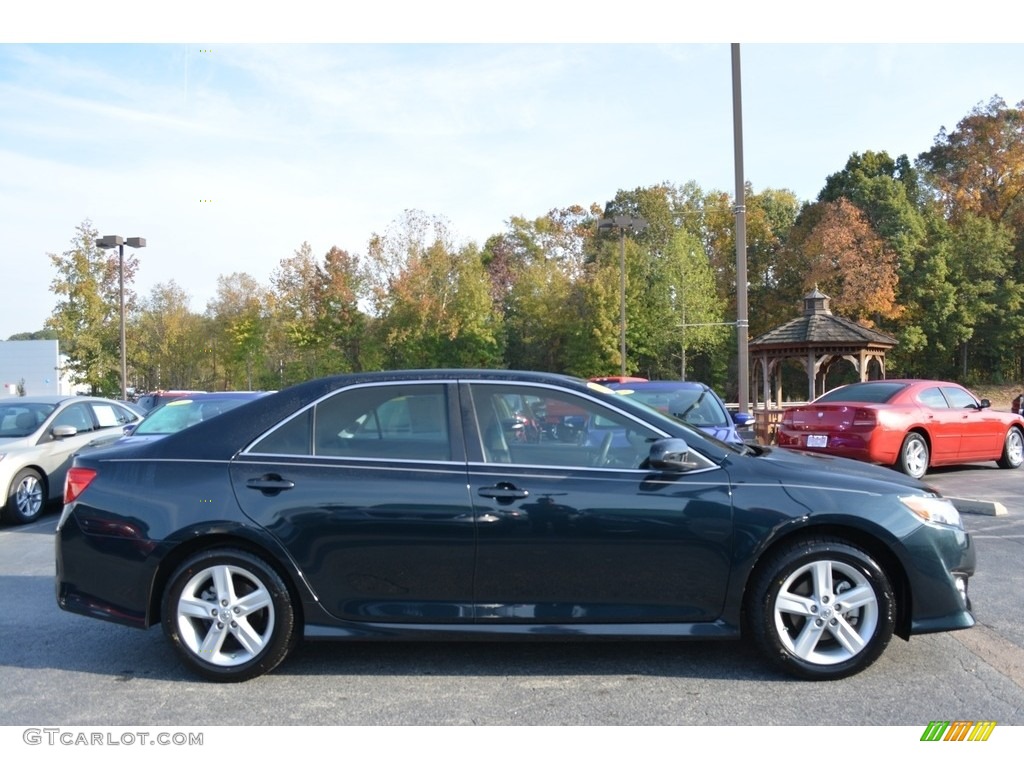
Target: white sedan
point(38, 437)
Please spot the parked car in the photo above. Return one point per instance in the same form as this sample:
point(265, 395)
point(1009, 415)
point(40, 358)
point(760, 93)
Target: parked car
point(38, 435)
point(402, 505)
point(184, 411)
point(151, 400)
point(909, 424)
point(691, 401)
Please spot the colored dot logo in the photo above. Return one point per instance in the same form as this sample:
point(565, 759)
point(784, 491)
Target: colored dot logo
point(205, 200)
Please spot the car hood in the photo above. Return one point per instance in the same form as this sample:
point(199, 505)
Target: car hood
point(840, 472)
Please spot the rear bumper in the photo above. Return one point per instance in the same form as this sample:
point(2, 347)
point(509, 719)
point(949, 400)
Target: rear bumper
point(849, 446)
point(105, 577)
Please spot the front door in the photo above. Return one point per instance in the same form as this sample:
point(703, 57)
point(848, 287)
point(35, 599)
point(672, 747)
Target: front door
point(572, 529)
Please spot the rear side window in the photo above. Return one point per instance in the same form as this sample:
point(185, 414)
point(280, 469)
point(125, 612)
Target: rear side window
point(380, 422)
point(401, 422)
point(932, 398)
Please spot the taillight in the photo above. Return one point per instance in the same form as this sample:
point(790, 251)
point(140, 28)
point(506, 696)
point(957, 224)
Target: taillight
point(77, 480)
point(864, 417)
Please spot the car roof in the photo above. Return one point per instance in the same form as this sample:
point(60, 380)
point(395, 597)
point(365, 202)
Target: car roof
point(53, 399)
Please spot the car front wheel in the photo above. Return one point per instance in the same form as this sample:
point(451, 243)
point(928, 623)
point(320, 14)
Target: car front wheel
point(1013, 449)
point(228, 615)
point(914, 457)
point(25, 498)
point(822, 609)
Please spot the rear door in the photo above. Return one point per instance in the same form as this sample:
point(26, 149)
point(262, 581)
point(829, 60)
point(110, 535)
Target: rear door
point(945, 424)
point(366, 489)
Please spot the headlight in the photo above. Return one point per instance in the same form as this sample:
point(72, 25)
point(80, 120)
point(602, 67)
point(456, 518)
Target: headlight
point(934, 509)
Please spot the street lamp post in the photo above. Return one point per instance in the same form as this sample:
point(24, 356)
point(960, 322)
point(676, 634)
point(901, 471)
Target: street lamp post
point(116, 241)
point(634, 224)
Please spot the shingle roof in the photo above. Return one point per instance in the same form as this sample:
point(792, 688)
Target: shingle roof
point(819, 327)
point(823, 329)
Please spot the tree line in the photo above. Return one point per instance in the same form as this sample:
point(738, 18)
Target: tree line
point(930, 251)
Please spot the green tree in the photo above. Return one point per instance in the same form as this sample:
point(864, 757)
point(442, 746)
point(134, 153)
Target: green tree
point(239, 314)
point(432, 300)
point(977, 171)
point(86, 317)
point(172, 350)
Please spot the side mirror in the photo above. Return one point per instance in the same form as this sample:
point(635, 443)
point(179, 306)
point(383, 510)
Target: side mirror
point(742, 419)
point(671, 454)
point(59, 433)
point(984, 403)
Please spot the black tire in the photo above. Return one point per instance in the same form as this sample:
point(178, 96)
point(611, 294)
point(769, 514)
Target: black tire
point(798, 616)
point(26, 498)
point(1013, 449)
point(260, 630)
point(914, 456)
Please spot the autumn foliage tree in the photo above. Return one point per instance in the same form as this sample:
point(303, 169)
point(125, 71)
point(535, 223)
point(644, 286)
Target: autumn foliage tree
point(847, 260)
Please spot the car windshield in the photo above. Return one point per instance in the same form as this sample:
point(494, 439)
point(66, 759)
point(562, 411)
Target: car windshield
point(184, 412)
point(864, 392)
point(23, 419)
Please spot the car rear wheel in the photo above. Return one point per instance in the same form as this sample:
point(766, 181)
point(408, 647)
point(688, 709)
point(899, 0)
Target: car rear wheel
point(822, 609)
point(914, 456)
point(1013, 449)
point(228, 615)
point(25, 498)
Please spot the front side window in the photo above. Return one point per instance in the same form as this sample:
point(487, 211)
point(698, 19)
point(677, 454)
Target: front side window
point(959, 398)
point(548, 427)
point(76, 415)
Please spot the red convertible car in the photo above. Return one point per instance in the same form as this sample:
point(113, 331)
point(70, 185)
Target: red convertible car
point(909, 424)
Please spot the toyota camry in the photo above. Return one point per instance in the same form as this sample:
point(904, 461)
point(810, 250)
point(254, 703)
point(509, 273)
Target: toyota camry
point(409, 505)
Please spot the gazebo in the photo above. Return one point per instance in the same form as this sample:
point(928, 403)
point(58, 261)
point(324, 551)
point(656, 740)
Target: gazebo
point(818, 340)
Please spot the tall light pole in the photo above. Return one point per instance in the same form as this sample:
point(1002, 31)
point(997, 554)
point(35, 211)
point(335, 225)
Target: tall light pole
point(634, 224)
point(116, 241)
point(740, 209)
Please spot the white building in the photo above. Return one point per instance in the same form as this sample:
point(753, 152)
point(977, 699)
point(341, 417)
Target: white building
point(34, 366)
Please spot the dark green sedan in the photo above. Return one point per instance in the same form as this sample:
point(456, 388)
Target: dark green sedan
point(413, 504)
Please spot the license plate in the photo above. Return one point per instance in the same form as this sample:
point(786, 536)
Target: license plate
point(817, 441)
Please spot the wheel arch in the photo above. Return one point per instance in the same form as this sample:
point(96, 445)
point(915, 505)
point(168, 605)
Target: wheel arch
point(170, 561)
point(926, 435)
point(878, 550)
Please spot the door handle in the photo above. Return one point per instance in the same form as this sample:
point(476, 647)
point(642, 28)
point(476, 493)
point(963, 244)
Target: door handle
point(503, 491)
point(270, 484)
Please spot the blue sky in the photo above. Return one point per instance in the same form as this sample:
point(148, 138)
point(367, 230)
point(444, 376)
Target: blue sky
point(227, 156)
